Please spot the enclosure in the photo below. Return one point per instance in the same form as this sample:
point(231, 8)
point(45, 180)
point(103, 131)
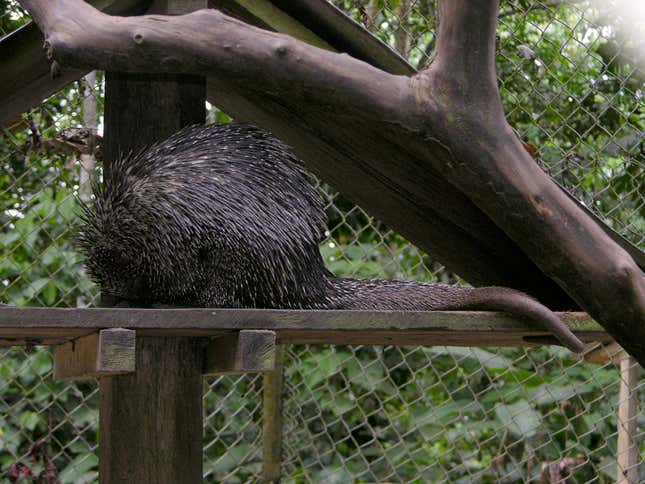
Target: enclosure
point(573, 90)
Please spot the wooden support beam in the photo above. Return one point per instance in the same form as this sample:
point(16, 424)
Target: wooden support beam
point(627, 453)
point(250, 351)
point(151, 421)
point(105, 353)
point(272, 420)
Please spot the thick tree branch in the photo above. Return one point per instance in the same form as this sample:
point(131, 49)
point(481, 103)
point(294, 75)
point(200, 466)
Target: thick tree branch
point(208, 42)
point(489, 164)
point(437, 142)
point(466, 50)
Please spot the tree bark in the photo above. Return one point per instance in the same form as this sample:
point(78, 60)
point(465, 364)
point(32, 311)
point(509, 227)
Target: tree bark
point(443, 128)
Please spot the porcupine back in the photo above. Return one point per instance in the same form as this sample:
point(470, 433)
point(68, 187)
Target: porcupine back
point(226, 216)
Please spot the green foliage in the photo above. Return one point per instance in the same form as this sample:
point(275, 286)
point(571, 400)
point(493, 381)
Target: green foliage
point(33, 405)
point(446, 413)
point(40, 233)
point(11, 16)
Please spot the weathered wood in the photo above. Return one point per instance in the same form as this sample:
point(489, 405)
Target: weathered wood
point(627, 452)
point(223, 319)
point(427, 338)
point(107, 352)
point(281, 22)
point(247, 351)
point(127, 95)
point(151, 421)
point(466, 328)
point(272, 420)
point(25, 72)
point(344, 34)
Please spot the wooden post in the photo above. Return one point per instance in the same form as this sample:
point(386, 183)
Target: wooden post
point(627, 458)
point(151, 422)
point(272, 420)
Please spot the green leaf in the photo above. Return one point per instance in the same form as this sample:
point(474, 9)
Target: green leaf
point(67, 208)
point(29, 420)
point(77, 470)
point(233, 457)
point(342, 405)
point(551, 393)
point(49, 292)
point(485, 358)
point(519, 418)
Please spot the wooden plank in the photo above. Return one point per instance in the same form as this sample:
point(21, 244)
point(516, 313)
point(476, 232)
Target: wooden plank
point(281, 22)
point(104, 353)
point(249, 351)
point(20, 318)
point(272, 420)
point(469, 328)
point(151, 420)
point(235, 10)
point(627, 453)
point(344, 34)
point(425, 338)
point(55, 336)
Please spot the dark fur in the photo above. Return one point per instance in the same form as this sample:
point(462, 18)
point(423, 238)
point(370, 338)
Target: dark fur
point(225, 216)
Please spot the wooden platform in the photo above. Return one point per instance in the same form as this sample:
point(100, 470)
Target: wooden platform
point(50, 326)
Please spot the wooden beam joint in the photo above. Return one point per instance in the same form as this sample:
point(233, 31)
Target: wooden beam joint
point(247, 351)
point(105, 353)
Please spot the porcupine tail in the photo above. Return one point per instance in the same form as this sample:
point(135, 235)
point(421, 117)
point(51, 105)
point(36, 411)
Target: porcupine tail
point(377, 294)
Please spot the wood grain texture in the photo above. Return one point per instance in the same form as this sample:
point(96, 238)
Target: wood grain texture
point(466, 328)
point(104, 353)
point(246, 351)
point(604, 353)
point(273, 387)
point(128, 95)
point(627, 452)
point(151, 421)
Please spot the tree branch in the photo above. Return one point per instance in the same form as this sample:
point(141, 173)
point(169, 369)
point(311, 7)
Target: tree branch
point(77, 34)
point(466, 49)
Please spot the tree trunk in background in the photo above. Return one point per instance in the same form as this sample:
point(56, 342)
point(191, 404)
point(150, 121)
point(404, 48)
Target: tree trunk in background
point(91, 123)
point(402, 35)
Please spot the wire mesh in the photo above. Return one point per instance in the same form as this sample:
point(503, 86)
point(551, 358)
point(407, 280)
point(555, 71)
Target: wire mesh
point(572, 88)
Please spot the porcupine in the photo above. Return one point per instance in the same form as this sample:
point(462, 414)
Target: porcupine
point(226, 216)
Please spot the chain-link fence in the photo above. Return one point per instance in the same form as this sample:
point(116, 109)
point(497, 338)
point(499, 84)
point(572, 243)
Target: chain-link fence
point(572, 87)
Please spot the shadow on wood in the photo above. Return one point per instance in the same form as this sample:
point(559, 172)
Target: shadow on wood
point(248, 351)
